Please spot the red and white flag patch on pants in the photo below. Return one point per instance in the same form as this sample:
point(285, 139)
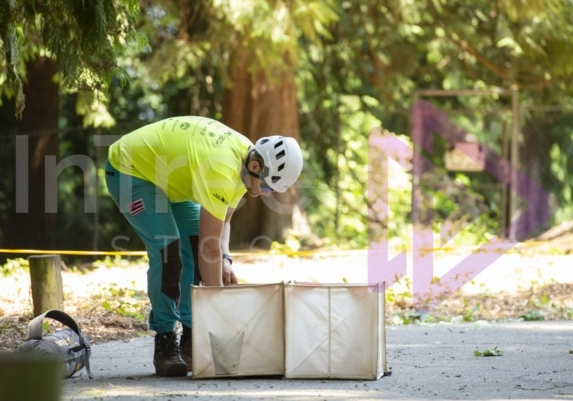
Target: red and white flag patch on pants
point(136, 207)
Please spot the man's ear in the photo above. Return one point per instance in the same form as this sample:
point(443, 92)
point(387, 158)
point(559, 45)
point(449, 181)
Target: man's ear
point(254, 165)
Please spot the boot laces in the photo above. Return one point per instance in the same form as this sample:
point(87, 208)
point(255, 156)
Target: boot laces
point(170, 345)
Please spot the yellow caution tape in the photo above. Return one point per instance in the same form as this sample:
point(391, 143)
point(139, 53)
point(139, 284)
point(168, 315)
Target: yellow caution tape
point(292, 253)
point(68, 252)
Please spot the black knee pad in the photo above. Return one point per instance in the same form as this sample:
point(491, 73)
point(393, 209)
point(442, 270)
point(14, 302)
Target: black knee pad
point(194, 239)
point(172, 267)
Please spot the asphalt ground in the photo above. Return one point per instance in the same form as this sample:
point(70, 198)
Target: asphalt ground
point(425, 362)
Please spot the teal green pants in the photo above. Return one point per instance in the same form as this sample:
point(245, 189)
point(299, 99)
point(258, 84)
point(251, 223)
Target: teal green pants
point(170, 232)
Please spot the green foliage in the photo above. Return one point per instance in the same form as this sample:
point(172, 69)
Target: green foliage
point(114, 261)
point(336, 197)
point(126, 302)
point(533, 315)
point(291, 245)
point(84, 39)
point(358, 64)
point(14, 265)
point(400, 292)
point(411, 318)
point(469, 311)
point(495, 351)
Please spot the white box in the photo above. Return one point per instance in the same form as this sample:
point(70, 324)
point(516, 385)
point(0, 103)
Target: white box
point(238, 330)
point(335, 331)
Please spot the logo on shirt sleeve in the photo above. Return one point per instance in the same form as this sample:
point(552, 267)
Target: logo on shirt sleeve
point(221, 198)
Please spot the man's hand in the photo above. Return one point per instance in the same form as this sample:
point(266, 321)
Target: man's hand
point(229, 277)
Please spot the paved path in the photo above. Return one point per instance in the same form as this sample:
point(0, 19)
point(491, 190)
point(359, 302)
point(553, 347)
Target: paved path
point(427, 362)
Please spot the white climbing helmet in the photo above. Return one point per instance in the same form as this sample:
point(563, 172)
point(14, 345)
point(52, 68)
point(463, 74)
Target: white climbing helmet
point(282, 160)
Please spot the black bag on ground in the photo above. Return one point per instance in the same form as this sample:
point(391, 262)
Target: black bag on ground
point(70, 344)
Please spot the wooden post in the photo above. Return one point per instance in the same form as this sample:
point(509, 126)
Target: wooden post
point(46, 281)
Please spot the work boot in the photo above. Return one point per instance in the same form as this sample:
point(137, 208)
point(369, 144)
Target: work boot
point(186, 347)
point(167, 357)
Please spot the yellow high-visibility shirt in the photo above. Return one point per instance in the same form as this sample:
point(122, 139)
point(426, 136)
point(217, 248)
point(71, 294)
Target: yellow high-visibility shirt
point(188, 158)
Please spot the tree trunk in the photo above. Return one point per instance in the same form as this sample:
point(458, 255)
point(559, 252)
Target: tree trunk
point(31, 226)
point(535, 163)
point(258, 106)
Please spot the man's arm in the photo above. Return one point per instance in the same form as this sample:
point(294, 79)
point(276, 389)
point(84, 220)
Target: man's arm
point(228, 274)
point(210, 245)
